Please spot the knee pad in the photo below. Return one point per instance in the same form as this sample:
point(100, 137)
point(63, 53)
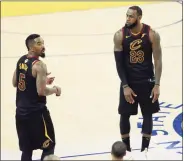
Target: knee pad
point(147, 124)
point(125, 124)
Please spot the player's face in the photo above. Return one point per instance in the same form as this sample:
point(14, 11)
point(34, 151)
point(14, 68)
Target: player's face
point(131, 19)
point(39, 47)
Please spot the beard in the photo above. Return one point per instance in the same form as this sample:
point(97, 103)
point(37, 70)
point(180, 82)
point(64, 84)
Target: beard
point(42, 55)
point(131, 26)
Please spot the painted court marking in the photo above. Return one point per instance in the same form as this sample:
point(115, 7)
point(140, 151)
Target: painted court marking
point(30, 8)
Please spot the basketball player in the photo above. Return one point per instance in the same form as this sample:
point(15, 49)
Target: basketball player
point(118, 150)
point(33, 122)
point(134, 45)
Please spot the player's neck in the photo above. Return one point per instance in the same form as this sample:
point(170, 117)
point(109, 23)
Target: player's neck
point(31, 54)
point(113, 158)
point(137, 29)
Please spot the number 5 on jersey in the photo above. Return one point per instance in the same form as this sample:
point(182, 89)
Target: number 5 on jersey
point(21, 83)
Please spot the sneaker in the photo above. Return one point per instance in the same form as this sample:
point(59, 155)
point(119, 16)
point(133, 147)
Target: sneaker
point(128, 156)
point(145, 153)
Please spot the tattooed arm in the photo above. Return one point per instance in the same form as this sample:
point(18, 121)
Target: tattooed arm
point(118, 53)
point(41, 77)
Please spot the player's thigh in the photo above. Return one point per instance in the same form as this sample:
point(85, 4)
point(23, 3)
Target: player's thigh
point(125, 107)
point(146, 102)
point(48, 126)
point(42, 134)
point(23, 133)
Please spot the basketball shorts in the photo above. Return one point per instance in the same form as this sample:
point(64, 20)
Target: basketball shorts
point(35, 131)
point(143, 92)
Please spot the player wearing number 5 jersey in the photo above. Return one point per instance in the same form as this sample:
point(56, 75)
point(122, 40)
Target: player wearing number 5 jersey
point(134, 46)
point(33, 122)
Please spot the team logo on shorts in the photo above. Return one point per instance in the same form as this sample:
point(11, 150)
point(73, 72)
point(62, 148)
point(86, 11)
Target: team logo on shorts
point(46, 143)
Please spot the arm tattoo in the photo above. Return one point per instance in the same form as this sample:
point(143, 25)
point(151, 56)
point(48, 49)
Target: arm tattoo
point(118, 53)
point(41, 81)
point(118, 41)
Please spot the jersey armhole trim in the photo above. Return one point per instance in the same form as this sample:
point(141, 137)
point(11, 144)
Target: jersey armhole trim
point(123, 34)
point(149, 28)
point(35, 62)
point(32, 66)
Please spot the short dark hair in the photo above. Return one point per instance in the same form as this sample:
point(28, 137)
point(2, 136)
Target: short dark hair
point(30, 38)
point(118, 149)
point(138, 9)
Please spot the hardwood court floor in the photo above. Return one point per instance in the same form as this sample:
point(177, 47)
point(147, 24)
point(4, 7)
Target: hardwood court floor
point(80, 56)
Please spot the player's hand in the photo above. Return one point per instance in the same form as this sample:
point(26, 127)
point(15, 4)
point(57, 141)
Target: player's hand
point(49, 80)
point(155, 93)
point(58, 90)
point(129, 93)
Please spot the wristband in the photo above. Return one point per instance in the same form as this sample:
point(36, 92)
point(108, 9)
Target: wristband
point(56, 89)
point(125, 86)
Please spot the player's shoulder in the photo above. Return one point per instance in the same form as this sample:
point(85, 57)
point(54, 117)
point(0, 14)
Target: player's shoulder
point(153, 34)
point(118, 35)
point(23, 57)
point(119, 31)
point(38, 65)
point(151, 30)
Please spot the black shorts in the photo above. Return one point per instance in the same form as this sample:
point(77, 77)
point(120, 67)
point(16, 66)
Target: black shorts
point(143, 92)
point(36, 131)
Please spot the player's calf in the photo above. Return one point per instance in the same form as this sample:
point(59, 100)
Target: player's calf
point(146, 131)
point(27, 155)
point(125, 130)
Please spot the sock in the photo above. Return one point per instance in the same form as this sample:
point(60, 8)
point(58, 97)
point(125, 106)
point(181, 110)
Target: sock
point(145, 143)
point(127, 143)
point(26, 156)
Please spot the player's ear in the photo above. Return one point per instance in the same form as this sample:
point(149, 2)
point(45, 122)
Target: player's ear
point(31, 48)
point(139, 17)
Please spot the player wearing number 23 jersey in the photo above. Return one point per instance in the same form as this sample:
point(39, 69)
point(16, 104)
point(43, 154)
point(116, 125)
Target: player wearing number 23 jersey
point(136, 46)
point(137, 52)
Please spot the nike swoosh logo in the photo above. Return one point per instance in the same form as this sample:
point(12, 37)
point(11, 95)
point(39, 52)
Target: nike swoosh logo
point(127, 36)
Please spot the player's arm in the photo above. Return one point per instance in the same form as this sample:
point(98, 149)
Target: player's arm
point(118, 53)
point(41, 77)
point(14, 80)
point(157, 55)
